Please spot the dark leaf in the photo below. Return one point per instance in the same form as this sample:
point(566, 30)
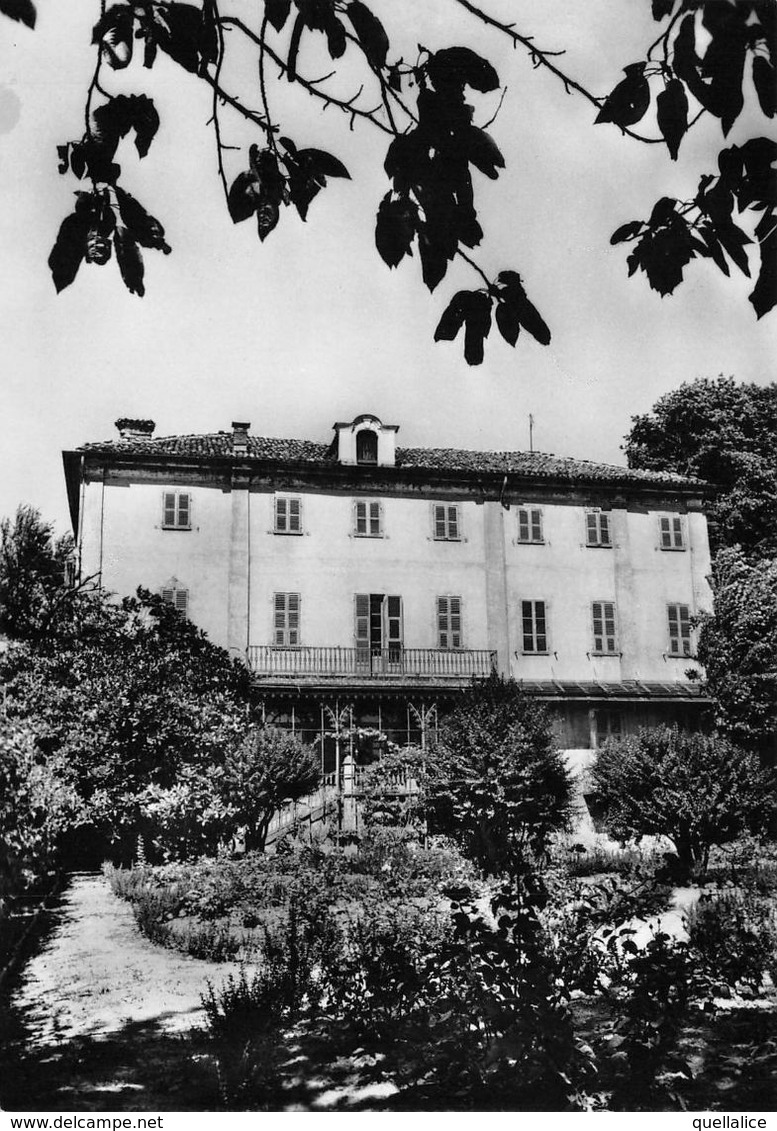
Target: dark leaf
point(508, 319)
point(149, 53)
point(242, 198)
point(69, 250)
point(672, 113)
point(145, 228)
point(303, 189)
point(453, 317)
point(686, 63)
point(712, 243)
point(765, 83)
point(629, 100)
point(130, 260)
point(757, 173)
point(471, 309)
point(146, 123)
point(335, 38)
point(322, 164)
point(662, 8)
point(626, 231)
point(208, 40)
point(294, 42)
point(434, 258)
point(733, 240)
point(113, 31)
point(458, 67)
point(122, 113)
point(177, 33)
point(64, 162)
point(764, 294)
point(514, 294)
point(22, 10)
point(724, 60)
point(482, 151)
point(395, 228)
point(370, 33)
point(267, 216)
point(663, 254)
point(277, 12)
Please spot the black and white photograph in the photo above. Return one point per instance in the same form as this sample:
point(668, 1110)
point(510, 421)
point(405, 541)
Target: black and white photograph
point(388, 560)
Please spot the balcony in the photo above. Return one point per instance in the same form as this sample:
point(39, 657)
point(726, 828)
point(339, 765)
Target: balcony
point(269, 663)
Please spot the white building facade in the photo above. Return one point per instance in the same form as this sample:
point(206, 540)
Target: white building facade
point(366, 584)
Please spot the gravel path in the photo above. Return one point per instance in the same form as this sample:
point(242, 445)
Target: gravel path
point(101, 1019)
point(96, 973)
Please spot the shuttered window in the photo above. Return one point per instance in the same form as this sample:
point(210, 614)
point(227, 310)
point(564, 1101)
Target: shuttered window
point(679, 617)
point(671, 526)
point(446, 522)
point(176, 510)
point(366, 446)
point(286, 620)
point(449, 622)
point(597, 529)
point(393, 621)
point(288, 514)
point(178, 598)
point(604, 626)
point(530, 524)
point(368, 519)
point(377, 622)
point(534, 625)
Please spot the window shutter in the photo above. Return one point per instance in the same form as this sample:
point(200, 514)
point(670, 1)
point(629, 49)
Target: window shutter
point(591, 528)
point(374, 518)
point(168, 596)
point(292, 618)
point(527, 617)
point(439, 521)
point(536, 526)
point(453, 522)
point(674, 628)
point(609, 624)
point(280, 515)
point(362, 620)
point(677, 525)
point(539, 614)
point(666, 533)
point(598, 627)
point(184, 509)
point(523, 525)
point(393, 608)
point(604, 529)
point(279, 619)
point(361, 518)
point(169, 508)
point(181, 600)
point(442, 622)
point(455, 622)
point(685, 629)
point(295, 515)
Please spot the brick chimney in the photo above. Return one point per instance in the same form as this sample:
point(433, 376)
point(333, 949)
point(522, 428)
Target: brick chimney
point(240, 437)
point(135, 429)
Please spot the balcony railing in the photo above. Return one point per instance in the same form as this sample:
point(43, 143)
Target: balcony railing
point(270, 661)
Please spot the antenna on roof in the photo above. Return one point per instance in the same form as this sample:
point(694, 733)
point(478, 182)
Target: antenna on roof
point(531, 433)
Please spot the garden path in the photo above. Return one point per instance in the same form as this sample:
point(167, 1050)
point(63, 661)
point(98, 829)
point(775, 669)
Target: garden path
point(95, 981)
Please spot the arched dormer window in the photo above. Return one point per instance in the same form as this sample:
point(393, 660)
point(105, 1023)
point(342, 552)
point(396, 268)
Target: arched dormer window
point(366, 446)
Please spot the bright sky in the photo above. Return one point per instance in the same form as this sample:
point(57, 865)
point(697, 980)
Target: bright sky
point(311, 327)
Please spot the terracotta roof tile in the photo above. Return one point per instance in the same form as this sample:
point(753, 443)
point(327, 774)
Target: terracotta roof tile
point(530, 464)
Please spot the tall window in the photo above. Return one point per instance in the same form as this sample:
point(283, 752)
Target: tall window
point(604, 626)
point(534, 622)
point(378, 625)
point(366, 446)
point(671, 526)
point(286, 620)
point(368, 519)
point(597, 529)
point(447, 523)
point(530, 524)
point(288, 514)
point(679, 617)
point(175, 595)
point(449, 622)
point(177, 510)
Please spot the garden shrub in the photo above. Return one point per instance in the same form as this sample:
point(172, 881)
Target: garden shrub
point(735, 934)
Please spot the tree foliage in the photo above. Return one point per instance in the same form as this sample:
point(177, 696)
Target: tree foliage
point(738, 648)
point(698, 790)
point(132, 696)
point(33, 566)
point(496, 784)
point(707, 59)
point(725, 433)
point(269, 768)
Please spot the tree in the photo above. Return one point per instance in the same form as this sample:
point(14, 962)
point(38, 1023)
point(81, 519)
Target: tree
point(32, 574)
point(738, 648)
point(495, 782)
point(723, 432)
point(269, 768)
point(131, 695)
point(704, 61)
point(698, 790)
